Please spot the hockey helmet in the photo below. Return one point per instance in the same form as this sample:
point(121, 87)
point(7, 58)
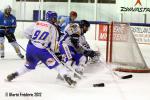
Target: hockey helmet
point(73, 13)
point(7, 7)
point(50, 15)
point(83, 23)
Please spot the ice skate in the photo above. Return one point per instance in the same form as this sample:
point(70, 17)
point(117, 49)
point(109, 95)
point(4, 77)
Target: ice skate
point(21, 56)
point(11, 76)
point(60, 77)
point(69, 80)
point(2, 56)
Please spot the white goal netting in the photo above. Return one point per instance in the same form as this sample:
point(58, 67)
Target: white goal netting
point(124, 50)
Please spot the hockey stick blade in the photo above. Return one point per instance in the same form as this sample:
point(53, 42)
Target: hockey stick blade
point(127, 76)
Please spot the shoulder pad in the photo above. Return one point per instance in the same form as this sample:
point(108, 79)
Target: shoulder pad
point(75, 28)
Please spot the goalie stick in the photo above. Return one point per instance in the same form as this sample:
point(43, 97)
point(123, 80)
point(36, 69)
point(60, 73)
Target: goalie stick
point(117, 75)
point(114, 73)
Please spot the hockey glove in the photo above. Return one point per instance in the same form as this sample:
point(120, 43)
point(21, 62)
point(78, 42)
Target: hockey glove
point(59, 56)
point(89, 53)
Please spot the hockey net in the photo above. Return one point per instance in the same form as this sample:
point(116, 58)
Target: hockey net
point(123, 50)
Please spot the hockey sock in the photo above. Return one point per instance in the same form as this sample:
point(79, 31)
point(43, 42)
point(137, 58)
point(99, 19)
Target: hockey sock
point(61, 70)
point(23, 70)
point(2, 49)
point(16, 47)
point(2, 39)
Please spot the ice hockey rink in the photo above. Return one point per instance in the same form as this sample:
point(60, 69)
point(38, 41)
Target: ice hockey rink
point(42, 82)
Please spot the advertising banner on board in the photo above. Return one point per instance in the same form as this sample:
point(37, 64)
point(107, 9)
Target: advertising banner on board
point(141, 33)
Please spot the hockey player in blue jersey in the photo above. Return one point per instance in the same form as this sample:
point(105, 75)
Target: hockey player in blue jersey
point(43, 36)
point(7, 29)
point(63, 21)
point(72, 48)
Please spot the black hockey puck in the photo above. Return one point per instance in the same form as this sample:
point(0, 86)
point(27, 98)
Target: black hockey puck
point(127, 76)
point(99, 85)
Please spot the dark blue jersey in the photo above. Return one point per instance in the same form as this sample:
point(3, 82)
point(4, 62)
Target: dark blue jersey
point(7, 22)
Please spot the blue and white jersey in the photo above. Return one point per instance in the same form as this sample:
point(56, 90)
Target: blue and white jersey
point(43, 34)
point(71, 29)
point(63, 22)
point(7, 21)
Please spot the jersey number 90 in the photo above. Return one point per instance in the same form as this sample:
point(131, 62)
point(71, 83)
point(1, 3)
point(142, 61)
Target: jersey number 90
point(40, 35)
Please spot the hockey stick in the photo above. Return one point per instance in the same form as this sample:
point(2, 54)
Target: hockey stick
point(21, 47)
point(121, 77)
point(70, 68)
point(116, 74)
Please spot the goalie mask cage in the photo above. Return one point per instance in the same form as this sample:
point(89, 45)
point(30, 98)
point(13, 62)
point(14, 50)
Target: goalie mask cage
point(123, 50)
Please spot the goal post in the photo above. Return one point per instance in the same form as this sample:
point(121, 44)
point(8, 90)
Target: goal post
point(123, 49)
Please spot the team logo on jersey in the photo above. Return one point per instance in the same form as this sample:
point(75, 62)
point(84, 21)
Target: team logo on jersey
point(50, 62)
point(42, 24)
point(138, 2)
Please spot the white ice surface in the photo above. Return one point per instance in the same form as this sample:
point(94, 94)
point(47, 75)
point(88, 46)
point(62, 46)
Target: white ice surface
point(44, 81)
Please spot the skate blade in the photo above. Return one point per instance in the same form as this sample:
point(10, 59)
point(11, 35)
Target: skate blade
point(73, 85)
point(6, 80)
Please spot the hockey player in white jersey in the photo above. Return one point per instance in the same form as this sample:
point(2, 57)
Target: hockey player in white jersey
point(74, 53)
point(42, 37)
